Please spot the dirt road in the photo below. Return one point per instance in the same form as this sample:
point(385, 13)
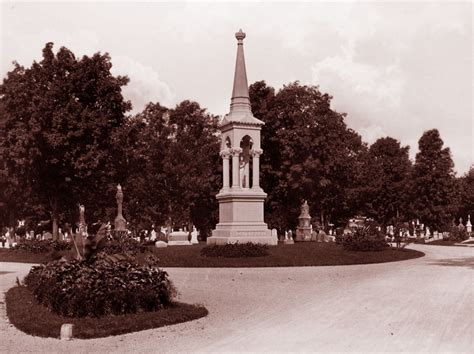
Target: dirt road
point(424, 304)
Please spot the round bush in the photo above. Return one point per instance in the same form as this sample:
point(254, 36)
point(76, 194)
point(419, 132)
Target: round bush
point(102, 287)
point(364, 238)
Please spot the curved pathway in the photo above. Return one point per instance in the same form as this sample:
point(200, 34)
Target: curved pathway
point(425, 304)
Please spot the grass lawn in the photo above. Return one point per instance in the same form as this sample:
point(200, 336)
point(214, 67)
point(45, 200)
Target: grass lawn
point(8, 255)
point(32, 318)
point(299, 254)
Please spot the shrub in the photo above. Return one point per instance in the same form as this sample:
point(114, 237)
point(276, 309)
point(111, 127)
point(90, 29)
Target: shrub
point(364, 238)
point(458, 234)
point(127, 246)
point(236, 250)
point(102, 287)
point(42, 246)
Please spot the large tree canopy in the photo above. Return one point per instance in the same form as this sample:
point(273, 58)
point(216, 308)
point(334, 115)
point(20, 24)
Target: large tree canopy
point(309, 153)
point(466, 195)
point(384, 179)
point(59, 116)
point(433, 182)
point(172, 159)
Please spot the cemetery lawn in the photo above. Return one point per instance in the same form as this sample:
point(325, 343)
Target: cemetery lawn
point(297, 255)
point(8, 255)
point(27, 315)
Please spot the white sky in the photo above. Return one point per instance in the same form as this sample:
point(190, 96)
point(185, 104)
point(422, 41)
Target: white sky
point(396, 68)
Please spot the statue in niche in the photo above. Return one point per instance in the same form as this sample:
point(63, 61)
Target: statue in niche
point(246, 146)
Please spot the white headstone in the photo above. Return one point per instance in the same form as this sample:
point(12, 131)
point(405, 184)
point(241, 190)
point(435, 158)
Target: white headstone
point(160, 244)
point(468, 224)
point(194, 236)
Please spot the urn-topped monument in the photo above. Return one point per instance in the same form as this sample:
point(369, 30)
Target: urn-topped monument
point(241, 197)
point(304, 230)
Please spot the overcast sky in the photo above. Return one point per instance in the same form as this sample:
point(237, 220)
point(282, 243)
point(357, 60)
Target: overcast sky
point(396, 68)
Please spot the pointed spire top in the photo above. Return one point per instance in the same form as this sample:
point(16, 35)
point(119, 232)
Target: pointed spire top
point(240, 110)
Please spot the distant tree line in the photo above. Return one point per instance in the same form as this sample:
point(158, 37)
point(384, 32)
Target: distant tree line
point(67, 138)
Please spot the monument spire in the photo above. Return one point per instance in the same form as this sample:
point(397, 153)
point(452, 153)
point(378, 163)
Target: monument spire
point(240, 109)
point(240, 100)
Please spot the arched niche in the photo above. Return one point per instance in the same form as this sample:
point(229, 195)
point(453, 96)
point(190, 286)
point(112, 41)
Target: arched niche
point(246, 144)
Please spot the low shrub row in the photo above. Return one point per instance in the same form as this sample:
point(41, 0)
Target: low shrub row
point(42, 246)
point(236, 250)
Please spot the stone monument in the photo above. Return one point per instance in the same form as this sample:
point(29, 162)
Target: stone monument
point(241, 198)
point(179, 238)
point(469, 225)
point(194, 236)
point(304, 230)
point(120, 223)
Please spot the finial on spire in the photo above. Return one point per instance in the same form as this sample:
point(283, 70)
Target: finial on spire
point(240, 36)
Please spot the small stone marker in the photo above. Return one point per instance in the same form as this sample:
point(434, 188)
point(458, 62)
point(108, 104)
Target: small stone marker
point(274, 233)
point(160, 244)
point(288, 238)
point(66, 331)
point(178, 238)
point(194, 236)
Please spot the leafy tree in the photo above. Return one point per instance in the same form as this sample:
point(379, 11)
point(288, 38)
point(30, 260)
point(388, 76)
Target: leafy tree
point(142, 144)
point(172, 159)
point(433, 182)
point(466, 195)
point(309, 153)
point(59, 117)
point(386, 174)
point(192, 166)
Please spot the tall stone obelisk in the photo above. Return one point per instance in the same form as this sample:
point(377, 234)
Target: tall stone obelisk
point(241, 198)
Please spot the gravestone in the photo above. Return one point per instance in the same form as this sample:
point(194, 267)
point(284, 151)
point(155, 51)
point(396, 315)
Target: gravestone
point(161, 244)
point(153, 235)
point(275, 233)
point(178, 238)
point(288, 238)
point(194, 236)
point(303, 231)
point(469, 225)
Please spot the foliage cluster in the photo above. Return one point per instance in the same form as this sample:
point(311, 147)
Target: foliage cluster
point(42, 246)
point(458, 234)
point(98, 288)
point(236, 250)
point(364, 238)
point(127, 246)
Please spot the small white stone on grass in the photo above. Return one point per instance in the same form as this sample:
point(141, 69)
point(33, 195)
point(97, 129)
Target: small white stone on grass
point(161, 244)
point(66, 331)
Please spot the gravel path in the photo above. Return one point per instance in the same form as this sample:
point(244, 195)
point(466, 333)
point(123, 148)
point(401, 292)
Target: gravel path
point(425, 304)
